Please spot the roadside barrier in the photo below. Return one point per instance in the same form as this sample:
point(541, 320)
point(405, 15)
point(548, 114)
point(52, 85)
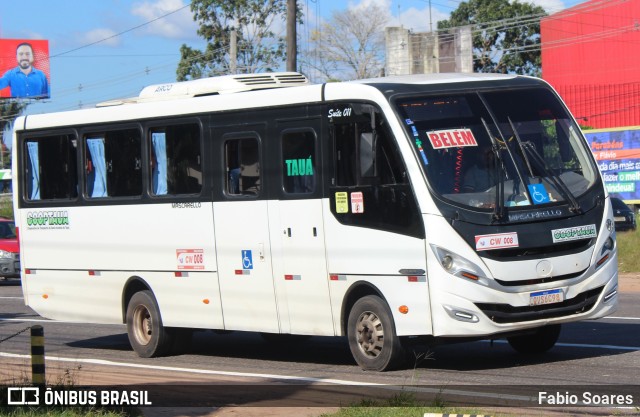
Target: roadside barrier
point(37, 355)
point(38, 376)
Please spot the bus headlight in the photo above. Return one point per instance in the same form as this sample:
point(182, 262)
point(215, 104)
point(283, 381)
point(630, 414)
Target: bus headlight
point(458, 265)
point(447, 262)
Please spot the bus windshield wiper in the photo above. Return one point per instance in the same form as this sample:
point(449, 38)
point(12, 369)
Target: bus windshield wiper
point(498, 209)
point(528, 147)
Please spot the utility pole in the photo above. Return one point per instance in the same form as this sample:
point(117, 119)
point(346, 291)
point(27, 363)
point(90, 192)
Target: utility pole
point(292, 49)
point(233, 52)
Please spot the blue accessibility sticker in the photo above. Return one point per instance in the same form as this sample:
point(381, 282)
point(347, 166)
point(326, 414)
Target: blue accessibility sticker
point(538, 193)
point(247, 259)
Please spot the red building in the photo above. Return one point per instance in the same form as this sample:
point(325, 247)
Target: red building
point(591, 56)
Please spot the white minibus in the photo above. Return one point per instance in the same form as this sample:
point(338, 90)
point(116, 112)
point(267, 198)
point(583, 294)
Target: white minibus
point(393, 211)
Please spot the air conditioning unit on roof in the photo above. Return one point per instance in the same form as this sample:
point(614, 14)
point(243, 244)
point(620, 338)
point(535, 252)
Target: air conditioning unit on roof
point(225, 84)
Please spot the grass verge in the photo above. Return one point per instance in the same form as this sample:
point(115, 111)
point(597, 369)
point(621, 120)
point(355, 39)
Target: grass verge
point(628, 244)
point(402, 405)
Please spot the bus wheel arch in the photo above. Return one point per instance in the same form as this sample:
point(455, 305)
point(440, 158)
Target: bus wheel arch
point(357, 291)
point(370, 330)
point(147, 335)
point(133, 285)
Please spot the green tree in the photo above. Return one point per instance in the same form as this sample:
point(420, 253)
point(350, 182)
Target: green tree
point(259, 46)
point(506, 35)
point(9, 110)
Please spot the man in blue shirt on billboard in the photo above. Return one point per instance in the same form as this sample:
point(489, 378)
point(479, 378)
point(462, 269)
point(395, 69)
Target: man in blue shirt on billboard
point(24, 80)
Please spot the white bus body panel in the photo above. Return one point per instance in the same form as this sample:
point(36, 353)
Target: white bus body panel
point(300, 268)
point(358, 254)
point(245, 259)
point(133, 241)
point(174, 108)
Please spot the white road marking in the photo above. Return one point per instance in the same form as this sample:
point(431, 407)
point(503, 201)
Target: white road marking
point(581, 345)
point(310, 380)
point(32, 320)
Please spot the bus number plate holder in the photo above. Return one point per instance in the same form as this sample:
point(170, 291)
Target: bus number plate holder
point(546, 297)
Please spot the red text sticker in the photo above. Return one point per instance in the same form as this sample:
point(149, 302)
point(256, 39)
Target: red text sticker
point(497, 241)
point(452, 138)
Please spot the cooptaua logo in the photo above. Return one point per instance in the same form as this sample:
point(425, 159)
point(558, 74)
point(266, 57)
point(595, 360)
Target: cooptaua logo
point(48, 218)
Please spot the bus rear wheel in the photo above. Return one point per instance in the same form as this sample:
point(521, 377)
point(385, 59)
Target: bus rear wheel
point(372, 336)
point(146, 333)
point(540, 341)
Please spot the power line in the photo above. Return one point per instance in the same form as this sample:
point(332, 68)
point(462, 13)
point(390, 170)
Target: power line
point(121, 33)
point(502, 24)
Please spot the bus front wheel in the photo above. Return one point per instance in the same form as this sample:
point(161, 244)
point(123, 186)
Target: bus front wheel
point(540, 341)
point(144, 326)
point(372, 336)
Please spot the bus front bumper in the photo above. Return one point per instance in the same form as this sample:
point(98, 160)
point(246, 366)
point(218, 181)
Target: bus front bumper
point(493, 311)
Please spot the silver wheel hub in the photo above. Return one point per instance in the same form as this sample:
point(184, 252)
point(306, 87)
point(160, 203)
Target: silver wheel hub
point(143, 324)
point(370, 334)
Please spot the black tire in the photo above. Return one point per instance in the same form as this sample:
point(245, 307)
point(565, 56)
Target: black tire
point(372, 335)
point(540, 341)
point(146, 333)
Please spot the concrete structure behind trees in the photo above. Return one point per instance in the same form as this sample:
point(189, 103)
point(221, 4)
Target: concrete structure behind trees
point(428, 52)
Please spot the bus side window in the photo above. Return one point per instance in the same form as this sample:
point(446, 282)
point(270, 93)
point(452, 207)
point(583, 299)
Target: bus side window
point(95, 167)
point(368, 166)
point(242, 164)
point(365, 152)
point(51, 168)
point(299, 161)
point(113, 164)
point(176, 163)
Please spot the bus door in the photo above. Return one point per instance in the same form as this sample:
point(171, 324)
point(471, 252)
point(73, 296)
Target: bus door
point(297, 232)
point(242, 231)
point(374, 229)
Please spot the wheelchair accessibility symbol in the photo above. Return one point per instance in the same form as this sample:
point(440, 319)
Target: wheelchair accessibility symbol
point(247, 259)
point(538, 193)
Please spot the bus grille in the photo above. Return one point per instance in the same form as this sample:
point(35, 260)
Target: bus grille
point(537, 281)
point(505, 313)
point(558, 249)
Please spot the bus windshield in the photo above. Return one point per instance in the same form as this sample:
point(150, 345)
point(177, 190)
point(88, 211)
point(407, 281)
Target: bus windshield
point(494, 149)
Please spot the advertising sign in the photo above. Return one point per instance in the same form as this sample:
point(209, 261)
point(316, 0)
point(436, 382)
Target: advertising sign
point(617, 152)
point(24, 69)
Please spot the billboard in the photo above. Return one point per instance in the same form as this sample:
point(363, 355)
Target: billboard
point(617, 152)
point(24, 68)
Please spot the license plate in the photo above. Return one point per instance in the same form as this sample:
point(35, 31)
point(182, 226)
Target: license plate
point(619, 219)
point(546, 297)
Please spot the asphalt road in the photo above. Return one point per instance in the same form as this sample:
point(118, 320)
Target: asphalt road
point(588, 356)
